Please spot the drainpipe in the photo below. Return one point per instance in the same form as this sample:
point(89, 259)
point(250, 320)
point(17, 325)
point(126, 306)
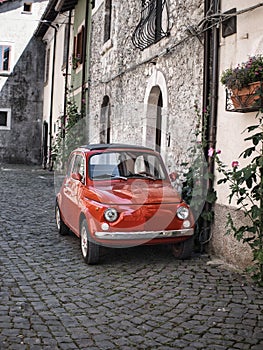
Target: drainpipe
point(206, 67)
point(210, 98)
point(52, 96)
point(83, 89)
point(63, 121)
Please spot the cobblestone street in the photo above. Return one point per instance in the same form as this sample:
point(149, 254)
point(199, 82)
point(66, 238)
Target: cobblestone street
point(136, 298)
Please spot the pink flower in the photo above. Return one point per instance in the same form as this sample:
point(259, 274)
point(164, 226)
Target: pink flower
point(218, 151)
point(210, 152)
point(235, 164)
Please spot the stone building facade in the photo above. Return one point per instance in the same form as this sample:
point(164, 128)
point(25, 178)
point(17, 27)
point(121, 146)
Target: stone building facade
point(145, 95)
point(21, 82)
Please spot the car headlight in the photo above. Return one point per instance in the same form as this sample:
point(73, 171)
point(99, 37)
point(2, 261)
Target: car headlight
point(182, 213)
point(111, 214)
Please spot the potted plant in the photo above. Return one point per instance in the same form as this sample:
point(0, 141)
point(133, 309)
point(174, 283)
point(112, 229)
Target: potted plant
point(244, 82)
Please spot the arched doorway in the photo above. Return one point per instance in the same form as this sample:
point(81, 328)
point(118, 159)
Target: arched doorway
point(154, 119)
point(156, 103)
point(158, 134)
point(105, 120)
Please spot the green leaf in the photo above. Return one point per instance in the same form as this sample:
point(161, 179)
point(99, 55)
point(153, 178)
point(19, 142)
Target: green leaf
point(248, 152)
point(252, 127)
point(255, 138)
point(221, 181)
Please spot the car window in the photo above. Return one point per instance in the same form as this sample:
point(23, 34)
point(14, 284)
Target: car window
point(79, 165)
point(126, 164)
point(149, 164)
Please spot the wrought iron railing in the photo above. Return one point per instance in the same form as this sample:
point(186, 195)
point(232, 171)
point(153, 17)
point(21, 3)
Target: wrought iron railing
point(153, 25)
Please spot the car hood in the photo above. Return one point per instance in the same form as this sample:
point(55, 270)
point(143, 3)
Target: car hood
point(138, 192)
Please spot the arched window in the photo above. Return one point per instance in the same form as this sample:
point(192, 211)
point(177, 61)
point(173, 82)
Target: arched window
point(154, 118)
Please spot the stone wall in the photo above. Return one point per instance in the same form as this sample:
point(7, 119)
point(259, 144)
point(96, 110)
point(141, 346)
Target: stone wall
point(125, 74)
point(226, 245)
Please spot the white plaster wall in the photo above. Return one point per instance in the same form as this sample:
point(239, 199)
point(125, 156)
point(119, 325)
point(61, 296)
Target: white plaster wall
point(17, 28)
point(233, 50)
point(59, 82)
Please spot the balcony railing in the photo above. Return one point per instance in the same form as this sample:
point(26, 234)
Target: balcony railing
point(153, 25)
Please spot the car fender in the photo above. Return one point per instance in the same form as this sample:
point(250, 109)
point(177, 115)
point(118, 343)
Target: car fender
point(92, 226)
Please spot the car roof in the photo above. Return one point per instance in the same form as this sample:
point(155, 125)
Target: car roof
point(102, 146)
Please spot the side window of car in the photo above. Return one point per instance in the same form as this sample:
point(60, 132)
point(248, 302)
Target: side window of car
point(79, 165)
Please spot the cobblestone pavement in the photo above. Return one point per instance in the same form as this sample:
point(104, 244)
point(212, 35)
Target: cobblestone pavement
point(137, 298)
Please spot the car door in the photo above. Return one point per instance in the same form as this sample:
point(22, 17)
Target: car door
point(71, 191)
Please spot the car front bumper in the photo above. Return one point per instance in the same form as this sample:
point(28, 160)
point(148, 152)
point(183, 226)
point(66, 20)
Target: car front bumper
point(143, 234)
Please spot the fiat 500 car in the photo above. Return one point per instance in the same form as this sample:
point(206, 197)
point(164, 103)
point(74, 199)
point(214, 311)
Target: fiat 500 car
point(118, 195)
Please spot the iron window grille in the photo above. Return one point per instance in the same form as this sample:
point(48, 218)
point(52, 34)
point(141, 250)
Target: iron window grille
point(153, 25)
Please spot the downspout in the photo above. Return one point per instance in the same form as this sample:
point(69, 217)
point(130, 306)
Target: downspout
point(210, 99)
point(83, 87)
point(63, 122)
point(52, 97)
point(207, 62)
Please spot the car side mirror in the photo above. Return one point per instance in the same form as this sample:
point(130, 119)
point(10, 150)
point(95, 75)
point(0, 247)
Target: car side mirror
point(173, 176)
point(76, 176)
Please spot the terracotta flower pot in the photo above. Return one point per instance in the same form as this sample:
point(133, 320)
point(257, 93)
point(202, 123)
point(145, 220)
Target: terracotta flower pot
point(247, 97)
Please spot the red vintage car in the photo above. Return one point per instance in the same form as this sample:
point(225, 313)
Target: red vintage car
point(119, 195)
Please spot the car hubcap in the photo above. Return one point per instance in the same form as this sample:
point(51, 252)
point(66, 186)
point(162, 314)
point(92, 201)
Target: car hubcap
point(84, 241)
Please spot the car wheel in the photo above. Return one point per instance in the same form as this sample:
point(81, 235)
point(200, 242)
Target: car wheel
point(183, 250)
point(90, 251)
point(61, 226)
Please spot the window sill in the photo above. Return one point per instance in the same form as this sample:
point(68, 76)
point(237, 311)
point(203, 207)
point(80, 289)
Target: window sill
point(5, 74)
point(6, 128)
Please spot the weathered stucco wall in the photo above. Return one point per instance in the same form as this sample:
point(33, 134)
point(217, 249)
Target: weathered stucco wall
point(22, 93)
point(21, 90)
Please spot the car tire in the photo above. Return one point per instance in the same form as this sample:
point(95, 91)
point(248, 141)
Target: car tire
point(61, 226)
point(183, 250)
point(90, 251)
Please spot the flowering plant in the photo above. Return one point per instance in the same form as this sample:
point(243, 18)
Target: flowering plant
point(246, 186)
point(244, 73)
point(70, 136)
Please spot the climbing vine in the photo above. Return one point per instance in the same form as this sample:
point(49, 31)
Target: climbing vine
point(70, 136)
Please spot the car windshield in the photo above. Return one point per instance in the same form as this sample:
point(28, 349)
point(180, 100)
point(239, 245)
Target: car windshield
point(125, 165)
